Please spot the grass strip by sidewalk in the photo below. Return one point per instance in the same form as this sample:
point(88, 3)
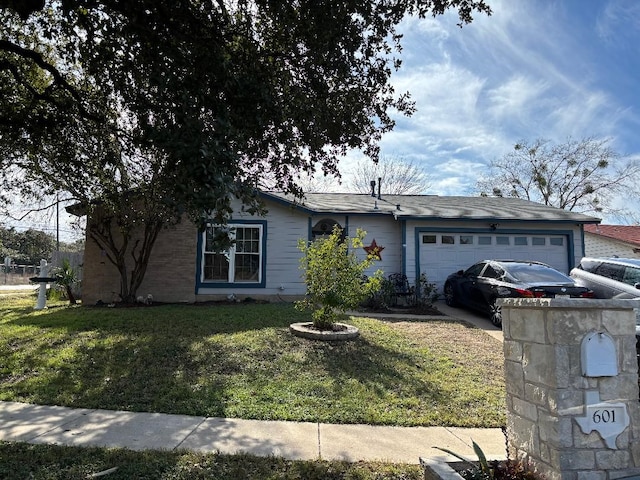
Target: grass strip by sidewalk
point(21, 461)
point(241, 361)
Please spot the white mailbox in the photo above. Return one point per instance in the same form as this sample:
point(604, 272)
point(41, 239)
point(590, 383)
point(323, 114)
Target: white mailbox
point(598, 355)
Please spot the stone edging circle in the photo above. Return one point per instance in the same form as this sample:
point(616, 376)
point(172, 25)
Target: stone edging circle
point(306, 330)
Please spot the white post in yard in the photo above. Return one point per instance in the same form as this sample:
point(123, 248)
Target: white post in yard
point(42, 292)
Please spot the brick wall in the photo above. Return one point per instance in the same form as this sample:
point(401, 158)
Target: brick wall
point(170, 275)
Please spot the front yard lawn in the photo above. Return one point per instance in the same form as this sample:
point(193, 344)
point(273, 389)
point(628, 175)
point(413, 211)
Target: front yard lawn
point(241, 361)
point(51, 462)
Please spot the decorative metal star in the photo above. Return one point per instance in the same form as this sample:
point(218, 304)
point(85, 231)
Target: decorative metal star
point(374, 250)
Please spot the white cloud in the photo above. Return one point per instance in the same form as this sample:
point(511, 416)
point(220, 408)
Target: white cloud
point(618, 17)
point(526, 72)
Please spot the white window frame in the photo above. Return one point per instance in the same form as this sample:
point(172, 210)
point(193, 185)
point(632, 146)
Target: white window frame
point(231, 254)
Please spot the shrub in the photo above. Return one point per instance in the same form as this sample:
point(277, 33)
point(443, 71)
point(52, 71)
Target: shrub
point(483, 469)
point(66, 277)
point(382, 298)
point(334, 276)
point(427, 292)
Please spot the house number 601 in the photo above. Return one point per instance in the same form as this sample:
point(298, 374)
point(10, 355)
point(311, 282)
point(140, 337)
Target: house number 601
point(604, 416)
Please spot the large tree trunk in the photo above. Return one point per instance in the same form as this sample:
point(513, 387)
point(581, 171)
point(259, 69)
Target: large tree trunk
point(141, 255)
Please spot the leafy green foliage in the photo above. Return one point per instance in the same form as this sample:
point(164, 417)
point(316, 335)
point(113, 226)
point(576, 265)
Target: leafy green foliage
point(66, 278)
point(483, 469)
point(190, 104)
point(382, 298)
point(427, 291)
point(335, 276)
point(27, 247)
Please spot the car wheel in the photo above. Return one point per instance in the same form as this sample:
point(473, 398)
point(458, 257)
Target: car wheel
point(495, 312)
point(449, 295)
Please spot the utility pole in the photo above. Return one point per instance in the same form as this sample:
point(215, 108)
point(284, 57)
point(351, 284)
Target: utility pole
point(57, 222)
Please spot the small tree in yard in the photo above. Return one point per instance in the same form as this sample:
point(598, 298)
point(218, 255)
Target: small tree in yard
point(335, 276)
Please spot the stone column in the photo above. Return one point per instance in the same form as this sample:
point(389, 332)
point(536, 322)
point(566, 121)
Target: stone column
point(570, 414)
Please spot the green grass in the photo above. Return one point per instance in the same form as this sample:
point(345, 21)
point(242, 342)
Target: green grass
point(241, 361)
point(20, 461)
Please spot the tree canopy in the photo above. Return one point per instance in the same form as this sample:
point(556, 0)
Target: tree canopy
point(190, 102)
point(199, 93)
point(27, 247)
point(578, 175)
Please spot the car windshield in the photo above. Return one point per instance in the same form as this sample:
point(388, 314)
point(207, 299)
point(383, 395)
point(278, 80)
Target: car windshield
point(532, 273)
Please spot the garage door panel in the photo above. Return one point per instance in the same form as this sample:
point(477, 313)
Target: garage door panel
point(438, 260)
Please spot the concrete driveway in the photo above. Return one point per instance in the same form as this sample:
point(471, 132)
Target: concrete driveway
point(475, 318)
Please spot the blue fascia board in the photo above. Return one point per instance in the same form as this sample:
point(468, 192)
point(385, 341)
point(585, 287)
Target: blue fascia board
point(418, 218)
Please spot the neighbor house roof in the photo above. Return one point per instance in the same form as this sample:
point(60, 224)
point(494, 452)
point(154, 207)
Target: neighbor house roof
point(623, 233)
point(431, 206)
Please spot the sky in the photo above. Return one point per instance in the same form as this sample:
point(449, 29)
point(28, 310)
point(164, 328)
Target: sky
point(549, 69)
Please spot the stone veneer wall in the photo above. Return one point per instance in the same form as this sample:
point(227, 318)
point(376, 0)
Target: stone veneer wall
point(546, 388)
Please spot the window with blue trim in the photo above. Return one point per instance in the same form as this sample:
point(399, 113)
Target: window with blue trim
point(241, 263)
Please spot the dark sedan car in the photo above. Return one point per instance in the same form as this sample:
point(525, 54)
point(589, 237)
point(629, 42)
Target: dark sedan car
point(480, 285)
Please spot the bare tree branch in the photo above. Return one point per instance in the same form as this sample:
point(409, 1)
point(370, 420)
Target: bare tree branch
point(579, 175)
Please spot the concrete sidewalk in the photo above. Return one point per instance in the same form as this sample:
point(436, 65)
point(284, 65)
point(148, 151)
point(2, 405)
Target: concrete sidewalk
point(21, 422)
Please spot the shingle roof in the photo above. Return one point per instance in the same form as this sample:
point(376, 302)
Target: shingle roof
point(432, 207)
point(624, 233)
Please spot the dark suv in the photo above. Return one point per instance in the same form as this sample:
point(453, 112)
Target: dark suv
point(609, 277)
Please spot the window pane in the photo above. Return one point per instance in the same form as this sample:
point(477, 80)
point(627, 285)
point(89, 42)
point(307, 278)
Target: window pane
point(247, 267)
point(631, 275)
point(247, 257)
point(216, 266)
point(611, 271)
point(538, 241)
point(491, 272)
point(428, 239)
point(474, 270)
point(448, 240)
point(484, 240)
point(209, 239)
point(247, 240)
point(559, 241)
point(502, 240)
point(520, 241)
point(466, 239)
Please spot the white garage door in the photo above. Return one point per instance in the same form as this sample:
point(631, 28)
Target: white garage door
point(441, 254)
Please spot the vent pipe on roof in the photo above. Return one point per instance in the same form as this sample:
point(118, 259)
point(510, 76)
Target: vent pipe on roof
point(373, 188)
point(379, 186)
